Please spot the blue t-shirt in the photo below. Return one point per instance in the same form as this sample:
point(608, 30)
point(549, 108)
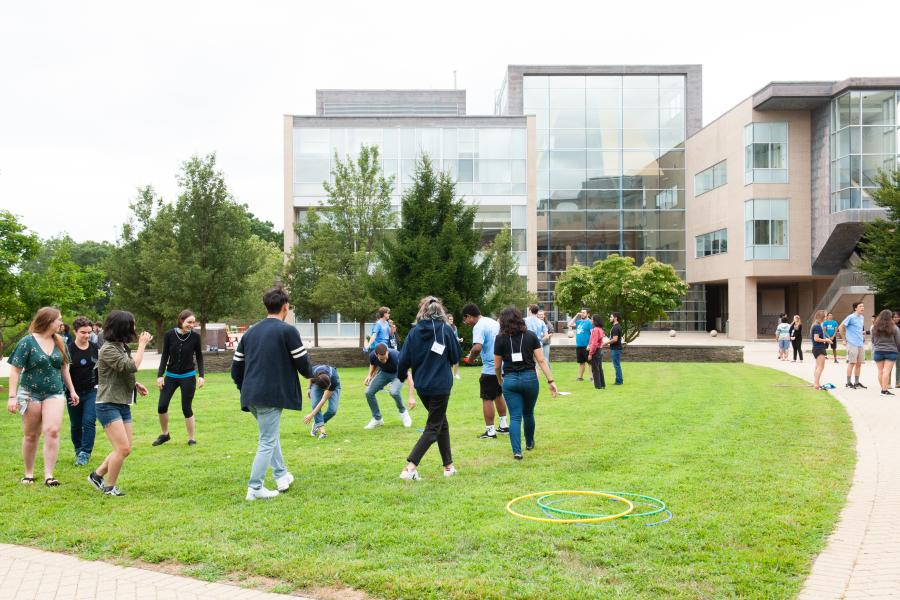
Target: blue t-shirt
point(484, 332)
point(830, 327)
point(855, 324)
point(583, 332)
point(381, 334)
point(390, 365)
point(537, 327)
point(812, 335)
point(331, 372)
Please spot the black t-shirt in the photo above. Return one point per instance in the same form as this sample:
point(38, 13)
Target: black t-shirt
point(389, 366)
point(83, 367)
point(526, 343)
point(616, 331)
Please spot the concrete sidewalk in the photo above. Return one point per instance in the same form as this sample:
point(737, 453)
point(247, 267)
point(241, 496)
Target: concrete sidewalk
point(862, 557)
point(27, 574)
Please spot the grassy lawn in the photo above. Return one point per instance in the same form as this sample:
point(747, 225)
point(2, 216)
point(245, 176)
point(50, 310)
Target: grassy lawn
point(754, 466)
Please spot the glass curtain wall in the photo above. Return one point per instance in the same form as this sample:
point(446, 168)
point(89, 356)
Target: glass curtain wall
point(864, 140)
point(488, 165)
point(610, 173)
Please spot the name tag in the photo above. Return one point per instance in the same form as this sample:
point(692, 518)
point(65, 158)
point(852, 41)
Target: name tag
point(438, 348)
point(517, 357)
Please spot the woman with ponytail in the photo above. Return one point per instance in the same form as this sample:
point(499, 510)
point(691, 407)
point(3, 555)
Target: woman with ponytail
point(37, 382)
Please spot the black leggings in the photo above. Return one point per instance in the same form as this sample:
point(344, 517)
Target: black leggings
point(597, 369)
point(797, 349)
point(188, 386)
point(436, 430)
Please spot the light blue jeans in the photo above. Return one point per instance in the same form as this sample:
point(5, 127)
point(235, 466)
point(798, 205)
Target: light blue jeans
point(316, 393)
point(546, 349)
point(268, 451)
point(377, 384)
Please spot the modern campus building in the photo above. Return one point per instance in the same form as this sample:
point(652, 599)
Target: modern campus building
point(584, 161)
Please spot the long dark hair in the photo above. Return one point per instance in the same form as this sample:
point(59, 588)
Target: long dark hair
point(511, 322)
point(119, 327)
point(884, 324)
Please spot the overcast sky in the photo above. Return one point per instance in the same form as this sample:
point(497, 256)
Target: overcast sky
point(98, 98)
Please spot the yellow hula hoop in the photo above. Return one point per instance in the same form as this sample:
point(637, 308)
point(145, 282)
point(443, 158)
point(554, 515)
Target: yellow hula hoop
point(573, 493)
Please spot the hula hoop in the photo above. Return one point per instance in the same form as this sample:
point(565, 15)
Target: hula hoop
point(630, 508)
point(669, 517)
point(660, 508)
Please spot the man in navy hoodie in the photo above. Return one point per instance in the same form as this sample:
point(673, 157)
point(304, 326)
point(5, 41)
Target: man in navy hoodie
point(430, 351)
point(265, 367)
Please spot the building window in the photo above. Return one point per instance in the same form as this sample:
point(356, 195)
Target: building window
point(863, 142)
point(766, 153)
point(765, 229)
point(712, 243)
point(711, 178)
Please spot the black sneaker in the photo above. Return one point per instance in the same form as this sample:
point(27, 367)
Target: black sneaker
point(850, 386)
point(192, 442)
point(95, 480)
point(162, 439)
point(531, 447)
point(517, 456)
point(111, 490)
point(503, 430)
point(858, 386)
point(487, 436)
point(887, 393)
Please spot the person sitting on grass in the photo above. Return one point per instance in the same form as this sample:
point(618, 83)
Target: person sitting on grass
point(383, 363)
point(324, 387)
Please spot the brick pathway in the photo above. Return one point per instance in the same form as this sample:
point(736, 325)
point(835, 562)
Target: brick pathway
point(27, 574)
point(862, 557)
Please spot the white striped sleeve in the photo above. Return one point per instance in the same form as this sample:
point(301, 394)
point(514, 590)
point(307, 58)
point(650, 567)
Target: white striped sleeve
point(238, 356)
point(298, 352)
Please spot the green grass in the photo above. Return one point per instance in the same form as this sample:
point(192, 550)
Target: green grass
point(755, 467)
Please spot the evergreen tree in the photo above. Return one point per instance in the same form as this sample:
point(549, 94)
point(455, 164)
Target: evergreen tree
point(881, 242)
point(506, 286)
point(434, 250)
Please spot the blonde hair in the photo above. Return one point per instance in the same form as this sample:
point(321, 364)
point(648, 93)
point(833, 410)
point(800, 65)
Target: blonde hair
point(43, 322)
point(820, 315)
point(430, 308)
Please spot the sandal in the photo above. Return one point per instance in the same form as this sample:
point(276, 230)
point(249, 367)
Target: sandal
point(51, 482)
point(27, 480)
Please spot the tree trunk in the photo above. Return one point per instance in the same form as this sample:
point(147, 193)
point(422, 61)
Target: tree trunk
point(362, 334)
point(315, 333)
point(160, 333)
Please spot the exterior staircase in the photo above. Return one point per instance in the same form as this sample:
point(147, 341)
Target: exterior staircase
point(847, 282)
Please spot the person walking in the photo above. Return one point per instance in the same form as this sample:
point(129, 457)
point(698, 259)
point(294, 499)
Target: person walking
point(852, 330)
point(820, 341)
point(518, 350)
point(38, 376)
point(896, 318)
point(117, 390)
point(582, 324)
point(84, 356)
point(831, 330)
point(383, 364)
point(179, 365)
point(783, 337)
point(595, 353)
point(885, 342)
point(264, 369)
point(796, 333)
point(429, 352)
point(484, 330)
point(615, 345)
point(545, 343)
point(381, 329)
point(324, 388)
point(458, 339)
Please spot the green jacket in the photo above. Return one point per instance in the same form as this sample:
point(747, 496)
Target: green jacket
point(115, 371)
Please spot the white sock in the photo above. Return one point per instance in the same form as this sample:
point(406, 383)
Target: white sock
point(490, 429)
point(503, 422)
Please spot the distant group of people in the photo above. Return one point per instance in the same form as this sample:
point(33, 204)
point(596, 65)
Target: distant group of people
point(590, 339)
point(885, 332)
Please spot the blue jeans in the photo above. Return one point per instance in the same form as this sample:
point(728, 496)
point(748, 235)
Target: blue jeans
point(521, 393)
point(316, 394)
point(268, 450)
point(83, 422)
point(616, 355)
point(377, 384)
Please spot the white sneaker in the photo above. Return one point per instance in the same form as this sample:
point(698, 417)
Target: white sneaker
point(284, 482)
point(407, 420)
point(260, 494)
point(456, 376)
point(374, 423)
point(450, 472)
point(408, 475)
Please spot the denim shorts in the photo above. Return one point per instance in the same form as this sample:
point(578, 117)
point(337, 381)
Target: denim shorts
point(108, 413)
point(24, 396)
point(784, 345)
point(879, 356)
